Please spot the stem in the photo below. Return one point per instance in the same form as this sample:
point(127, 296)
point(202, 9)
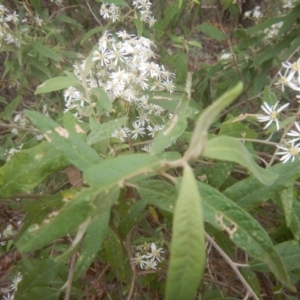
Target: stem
point(233, 266)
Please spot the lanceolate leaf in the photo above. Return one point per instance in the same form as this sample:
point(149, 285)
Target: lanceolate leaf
point(187, 260)
point(91, 244)
point(174, 128)
point(230, 149)
point(58, 223)
point(117, 170)
point(28, 168)
point(56, 84)
point(242, 229)
point(69, 143)
point(287, 198)
point(250, 192)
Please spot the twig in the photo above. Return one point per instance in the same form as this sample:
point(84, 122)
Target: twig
point(233, 266)
point(132, 266)
point(68, 284)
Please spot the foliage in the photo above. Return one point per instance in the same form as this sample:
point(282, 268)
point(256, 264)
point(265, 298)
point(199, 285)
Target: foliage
point(130, 173)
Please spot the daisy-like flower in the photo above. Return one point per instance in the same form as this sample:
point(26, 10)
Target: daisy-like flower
point(147, 147)
point(9, 297)
point(272, 114)
point(257, 14)
point(294, 68)
point(138, 130)
point(120, 133)
point(139, 260)
point(150, 264)
point(15, 281)
point(284, 79)
point(289, 152)
point(295, 133)
point(155, 253)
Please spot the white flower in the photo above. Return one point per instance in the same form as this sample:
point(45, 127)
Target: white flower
point(284, 79)
point(138, 130)
point(294, 68)
point(295, 133)
point(139, 260)
point(155, 253)
point(289, 152)
point(102, 55)
point(12, 17)
point(15, 281)
point(150, 264)
point(147, 147)
point(257, 14)
point(9, 297)
point(225, 56)
point(272, 114)
point(120, 133)
point(153, 130)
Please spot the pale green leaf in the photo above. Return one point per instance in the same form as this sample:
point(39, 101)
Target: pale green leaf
point(28, 168)
point(212, 31)
point(173, 129)
point(68, 143)
point(56, 84)
point(250, 192)
point(231, 149)
point(117, 170)
point(46, 51)
point(242, 229)
point(187, 261)
point(10, 108)
point(100, 132)
point(91, 244)
point(287, 198)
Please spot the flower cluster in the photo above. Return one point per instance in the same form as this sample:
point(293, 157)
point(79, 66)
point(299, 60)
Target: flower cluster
point(142, 7)
point(288, 4)
point(291, 79)
point(147, 256)
point(12, 29)
point(123, 67)
point(272, 32)
point(254, 14)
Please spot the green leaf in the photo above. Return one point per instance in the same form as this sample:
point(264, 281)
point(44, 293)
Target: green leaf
point(55, 84)
point(169, 15)
point(219, 173)
point(295, 220)
point(231, 149)
point(74, 213)
point(90, 33)
point(68, 143)
point(91, 244)
point(102, 98)
point(290, 254)
point(242, 229)
point(133, 214)
point(158, 193)
point(250, 192)
point(114, 254)
point(198, 140)
point(187, 261)
point(37, 293)
point(46, 51)
point(211, 31)
point(174, 128)
point(64, 18)
point(117, 170)
point(287, 198)
point(43, 274)
point(237, 130)
point(28, 168)
point(100, 132)
point(10, 108)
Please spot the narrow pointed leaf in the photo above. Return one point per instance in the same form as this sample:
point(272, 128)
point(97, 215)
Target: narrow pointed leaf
point(230, 149)
point(56, 84)
point(28, 168)
point(68, 143)
point(187, 260)
point(117, 170)
point(242, 229)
